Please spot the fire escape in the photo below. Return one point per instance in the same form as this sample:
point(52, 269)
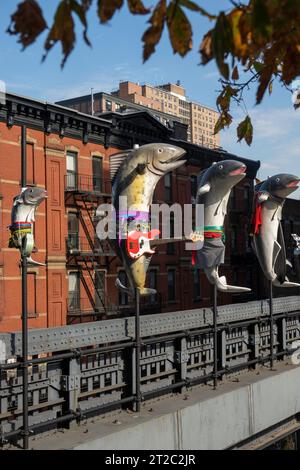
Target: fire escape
point(87, 256)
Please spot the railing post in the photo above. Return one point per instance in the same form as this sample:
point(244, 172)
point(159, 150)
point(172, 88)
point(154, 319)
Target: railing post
point(72, 384)
point(183, 362)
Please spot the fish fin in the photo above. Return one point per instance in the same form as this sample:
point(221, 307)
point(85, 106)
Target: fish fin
point(279, 256)
point(286, 283)
point(33, 262)
point(224, 287)
point(120, 286)
point(115, 161)
point(203, 189)
point(147, 291)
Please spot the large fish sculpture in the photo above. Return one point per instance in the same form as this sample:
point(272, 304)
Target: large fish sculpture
point(267, 238)
point(135, 174)
point(213, 192)
point(22, 218)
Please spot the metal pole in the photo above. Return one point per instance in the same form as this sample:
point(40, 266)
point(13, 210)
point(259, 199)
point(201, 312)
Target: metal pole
point(271, 327)
point(215, 315)
point(25, 431)
point(92, 101)
point(137, 351)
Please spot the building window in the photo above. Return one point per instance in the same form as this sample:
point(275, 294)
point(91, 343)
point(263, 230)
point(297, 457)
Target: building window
point(171, 284)
point(152, 284)
point(71, 170)
point(194, 186)
point(171, 246)
point(73, 231)
point(108, 105)
point(168, 186)
point(74, 292)
point(233, 238)
point(247, 193)
point(97, 174)
point(30, 163)
point(197, 284)
point(123, 297)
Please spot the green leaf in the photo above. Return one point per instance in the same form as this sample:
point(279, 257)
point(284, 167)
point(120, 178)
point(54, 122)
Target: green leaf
point(180, 30)
point(153, 34)
point(137, 7)
point(245, 130)
point(107, 9)
point(28, 22)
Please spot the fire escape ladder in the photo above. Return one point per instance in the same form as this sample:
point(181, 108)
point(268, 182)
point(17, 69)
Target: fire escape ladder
point(87, 289)
point(86, 231)
point(91, 266)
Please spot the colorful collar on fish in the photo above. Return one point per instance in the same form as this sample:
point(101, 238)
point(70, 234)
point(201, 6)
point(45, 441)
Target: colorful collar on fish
point(214, 231)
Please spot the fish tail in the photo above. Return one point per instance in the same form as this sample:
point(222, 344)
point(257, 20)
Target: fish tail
point(221, 282)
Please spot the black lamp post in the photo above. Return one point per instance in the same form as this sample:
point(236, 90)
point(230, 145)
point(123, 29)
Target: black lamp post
point(25, 430)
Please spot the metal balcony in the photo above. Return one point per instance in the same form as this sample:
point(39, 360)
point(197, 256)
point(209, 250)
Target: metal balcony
point(81, 306)
point(81, 246)
point(87, 184)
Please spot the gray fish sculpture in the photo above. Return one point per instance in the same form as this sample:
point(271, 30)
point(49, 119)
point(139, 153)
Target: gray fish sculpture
point(214, 188)
point(135, 174)
point(267, 238)
point(22, 218)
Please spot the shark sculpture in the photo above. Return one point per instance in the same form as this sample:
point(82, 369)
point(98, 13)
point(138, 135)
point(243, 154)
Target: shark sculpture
point(214, 188)
point(267, 239)
point(22, 218)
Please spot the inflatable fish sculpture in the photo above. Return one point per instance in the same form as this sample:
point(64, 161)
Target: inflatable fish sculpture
point(214, 188)
point(22, 218)
point(267, 238)
point(135, 174)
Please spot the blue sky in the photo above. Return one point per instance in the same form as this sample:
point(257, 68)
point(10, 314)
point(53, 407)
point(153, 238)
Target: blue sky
point(117, 55)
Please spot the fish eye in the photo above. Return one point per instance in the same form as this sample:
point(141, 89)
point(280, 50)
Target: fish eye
point(160, 150)
point(220, 167)
point(277, 180)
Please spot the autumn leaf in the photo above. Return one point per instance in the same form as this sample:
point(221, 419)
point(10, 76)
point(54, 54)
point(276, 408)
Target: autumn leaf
point(107, 9)
point(63, 29)
point(206, 49)
point(28, 22)
point(137, 7)
point(245, 130)
point(235, 74)
point(222, 43)
point(224, 120)
point(194, 7)
point(180, 30)
point(153, 34)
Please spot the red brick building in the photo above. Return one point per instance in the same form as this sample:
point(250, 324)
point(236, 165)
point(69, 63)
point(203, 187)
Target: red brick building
point(68, 154)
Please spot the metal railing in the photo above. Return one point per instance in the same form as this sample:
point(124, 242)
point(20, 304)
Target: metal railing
point(76, 245)
point(87, 184)
point(80, 370)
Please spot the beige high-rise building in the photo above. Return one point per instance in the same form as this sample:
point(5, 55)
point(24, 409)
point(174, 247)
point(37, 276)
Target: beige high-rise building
point(168, 103)
point(172, 99)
